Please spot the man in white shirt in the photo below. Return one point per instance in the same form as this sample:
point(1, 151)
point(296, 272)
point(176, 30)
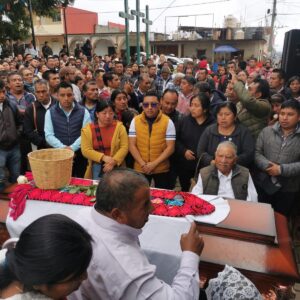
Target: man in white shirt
point(225, 178)
point(119, 268)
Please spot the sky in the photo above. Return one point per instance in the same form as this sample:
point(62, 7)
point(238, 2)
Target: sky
point(249, 13)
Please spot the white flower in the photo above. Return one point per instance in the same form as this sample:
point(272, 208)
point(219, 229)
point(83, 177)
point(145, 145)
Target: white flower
point(22, 179)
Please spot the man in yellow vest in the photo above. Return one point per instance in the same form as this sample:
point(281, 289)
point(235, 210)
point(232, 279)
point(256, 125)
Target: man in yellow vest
point(152, 141)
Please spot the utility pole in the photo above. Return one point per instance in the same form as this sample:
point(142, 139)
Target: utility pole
point(138, 14)
point(64, 6)
point(125, 15)
point(148, 23)
point(272, 27)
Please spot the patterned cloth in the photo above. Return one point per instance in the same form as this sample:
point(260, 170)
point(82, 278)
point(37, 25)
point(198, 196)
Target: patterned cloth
point(231, 284)
point(23, 102)
point(102, 137)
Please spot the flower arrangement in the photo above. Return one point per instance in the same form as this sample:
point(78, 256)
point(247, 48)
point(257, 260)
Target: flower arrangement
point(83, 192)
point(178, 204)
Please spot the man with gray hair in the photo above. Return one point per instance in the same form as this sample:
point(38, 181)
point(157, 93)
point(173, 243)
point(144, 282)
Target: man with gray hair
point(225, 178)
point(119, 268)
point(174, 84)
point(34, 117)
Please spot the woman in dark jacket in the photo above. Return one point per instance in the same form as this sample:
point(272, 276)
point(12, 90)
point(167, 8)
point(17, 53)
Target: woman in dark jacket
point(226, 129)
point(190, 129)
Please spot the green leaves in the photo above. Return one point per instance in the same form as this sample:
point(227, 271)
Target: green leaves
point(14, 16)
point(75, 189)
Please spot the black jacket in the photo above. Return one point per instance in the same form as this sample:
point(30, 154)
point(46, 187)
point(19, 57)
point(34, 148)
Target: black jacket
point(241, 137)
point(36, 137)
point(10, 126)
point(187, 138)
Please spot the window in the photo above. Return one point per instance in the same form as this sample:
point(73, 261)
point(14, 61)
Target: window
point(57, 17)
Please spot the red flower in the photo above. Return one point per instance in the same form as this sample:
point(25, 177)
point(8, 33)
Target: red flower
point(78, 199)
point(186, 210)
point(170, 194)
point(67, 198)
point(56, 196)
point(29, 176)
point(174, 211)
point(81, 181)
point(157, 193)
point(45, 195)
point(87, 201)
point(35, 194)
point(160, 210)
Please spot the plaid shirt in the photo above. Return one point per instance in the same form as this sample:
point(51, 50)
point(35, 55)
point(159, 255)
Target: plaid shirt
point(161, 85)
point(23, 102)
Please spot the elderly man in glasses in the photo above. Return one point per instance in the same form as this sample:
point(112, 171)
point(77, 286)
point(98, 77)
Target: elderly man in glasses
point(152, 141)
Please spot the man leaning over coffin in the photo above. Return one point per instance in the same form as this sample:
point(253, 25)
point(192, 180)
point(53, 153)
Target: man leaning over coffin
point(225, 178)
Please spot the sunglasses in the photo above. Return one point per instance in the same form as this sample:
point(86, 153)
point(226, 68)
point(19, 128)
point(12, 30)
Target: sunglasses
point(152, 104)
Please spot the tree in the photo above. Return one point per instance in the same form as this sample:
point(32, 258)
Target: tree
point(14, 16)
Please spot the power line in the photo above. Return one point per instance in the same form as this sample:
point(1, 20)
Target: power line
point(175, 6)
point(289, 14)
point(164, 10)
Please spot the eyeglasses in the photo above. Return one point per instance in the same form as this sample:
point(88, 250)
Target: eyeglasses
point(152, 104)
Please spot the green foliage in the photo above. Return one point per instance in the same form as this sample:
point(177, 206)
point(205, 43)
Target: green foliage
point(14, 16)
point(75, 189)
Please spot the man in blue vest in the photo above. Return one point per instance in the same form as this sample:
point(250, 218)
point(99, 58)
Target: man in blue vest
point(63, 124)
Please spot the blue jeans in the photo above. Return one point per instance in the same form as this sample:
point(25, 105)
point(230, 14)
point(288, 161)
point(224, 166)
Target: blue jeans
point(10, 159)
point(96, 171)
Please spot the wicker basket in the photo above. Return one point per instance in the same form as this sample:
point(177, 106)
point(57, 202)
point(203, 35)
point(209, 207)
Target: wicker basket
point(51, 168)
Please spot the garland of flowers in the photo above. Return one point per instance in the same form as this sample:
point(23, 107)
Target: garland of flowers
point(178, 204)
point(83, 192)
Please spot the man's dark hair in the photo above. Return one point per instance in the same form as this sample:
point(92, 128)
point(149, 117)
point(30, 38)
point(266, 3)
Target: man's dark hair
point(150, 66)
point(142, 77)
point(108, 77)
point(253, 58)
point(10, 74)
point(46, 74)
point(151, 93)
point(173, 91)
point(77, 79)
point(190, 79)
point(293, 104)
point(277, 98)
point(263, 87)
point(3, 73)
point(41, 82)
point(242, 65)
point(117, 189)
point(204, 69)
point(87, 84)
point(45, 254)
point(281, 73)
point(26, 55)
point(51, 57)
point(203, 87)
point(2, 85)
point(63, 85)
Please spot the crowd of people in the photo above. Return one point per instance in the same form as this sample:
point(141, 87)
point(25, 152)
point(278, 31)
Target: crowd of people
point(164, 121)
point(235, 130)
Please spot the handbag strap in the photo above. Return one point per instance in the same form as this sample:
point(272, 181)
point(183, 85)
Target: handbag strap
point(197, 170)
point(34, 116)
